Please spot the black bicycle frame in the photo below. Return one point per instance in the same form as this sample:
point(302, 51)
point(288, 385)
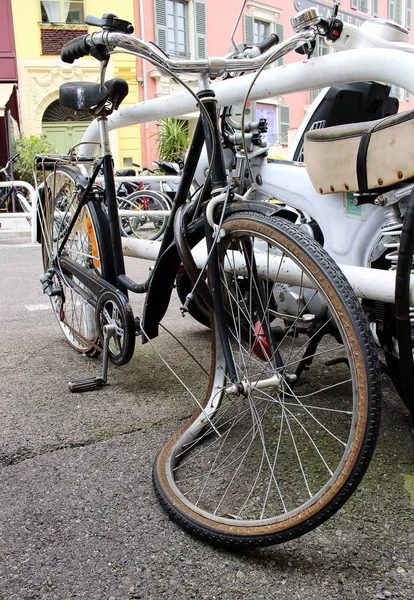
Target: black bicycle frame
point(161, 283)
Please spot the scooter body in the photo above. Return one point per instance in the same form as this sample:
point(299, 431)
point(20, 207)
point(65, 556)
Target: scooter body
point(350, 233)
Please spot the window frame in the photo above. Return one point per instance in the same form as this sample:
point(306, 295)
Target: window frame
point(369, 7)
point(258, 13)
point(62, 3)
point(259, 36)
point(399, 11)
point(196, 27)
point(176, 17)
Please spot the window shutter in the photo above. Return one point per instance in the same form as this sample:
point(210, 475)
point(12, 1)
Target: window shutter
point(375, 8)
point(161, 35)
point(355, 4)
point(200, 29)
point(408, 14)
point(284, 124)
point(364, 5)
point(280, 32)
point(248, 29)
point(398, 11)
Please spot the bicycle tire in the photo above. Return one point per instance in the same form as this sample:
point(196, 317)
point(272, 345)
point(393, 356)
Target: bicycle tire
point(269, 464)
point(88, 244)
point(142, 226)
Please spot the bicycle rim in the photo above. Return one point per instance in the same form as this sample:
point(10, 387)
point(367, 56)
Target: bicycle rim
point(143, 226)
point(75, 315)
point(268, 462)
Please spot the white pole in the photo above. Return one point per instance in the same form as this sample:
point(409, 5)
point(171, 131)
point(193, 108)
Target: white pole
point(29, 214)
point(367, 283)
point(368, 64)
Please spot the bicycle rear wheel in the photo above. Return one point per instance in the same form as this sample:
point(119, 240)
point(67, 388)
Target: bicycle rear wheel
point(87, 244)
point(272, 458)
point(142, 225)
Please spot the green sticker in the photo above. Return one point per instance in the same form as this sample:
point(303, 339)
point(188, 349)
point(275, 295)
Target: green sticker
point(351, 209)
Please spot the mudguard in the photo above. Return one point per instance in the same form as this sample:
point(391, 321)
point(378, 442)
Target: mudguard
point(165, 272)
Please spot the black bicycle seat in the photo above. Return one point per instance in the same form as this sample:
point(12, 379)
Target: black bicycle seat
point(125, 173)
point(83, 95)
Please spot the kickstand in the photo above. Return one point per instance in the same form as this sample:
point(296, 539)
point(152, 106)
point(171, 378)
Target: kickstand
point(93, 383)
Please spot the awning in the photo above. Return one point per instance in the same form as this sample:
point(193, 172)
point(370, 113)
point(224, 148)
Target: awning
point(6, 90)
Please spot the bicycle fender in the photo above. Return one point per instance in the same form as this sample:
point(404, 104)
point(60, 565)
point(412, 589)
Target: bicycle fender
point(163, 277)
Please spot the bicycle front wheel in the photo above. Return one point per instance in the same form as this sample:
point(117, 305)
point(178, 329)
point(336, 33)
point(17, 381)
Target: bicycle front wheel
point(87, 245)
point(274, 454)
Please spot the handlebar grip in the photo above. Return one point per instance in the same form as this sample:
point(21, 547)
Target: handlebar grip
point(74, 49)
point(270, 41)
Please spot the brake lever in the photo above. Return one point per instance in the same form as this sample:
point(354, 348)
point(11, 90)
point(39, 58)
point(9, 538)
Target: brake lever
point(110, 22)
point(102, 87)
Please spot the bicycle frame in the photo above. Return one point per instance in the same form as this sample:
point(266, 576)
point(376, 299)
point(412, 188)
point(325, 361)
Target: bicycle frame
point(6, 196)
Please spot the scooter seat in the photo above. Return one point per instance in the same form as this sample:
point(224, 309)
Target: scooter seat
point(361, 157)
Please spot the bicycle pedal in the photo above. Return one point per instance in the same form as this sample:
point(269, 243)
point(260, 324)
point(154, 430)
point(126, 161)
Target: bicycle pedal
point(94, 383)
point(47, 285)
point(86, 385)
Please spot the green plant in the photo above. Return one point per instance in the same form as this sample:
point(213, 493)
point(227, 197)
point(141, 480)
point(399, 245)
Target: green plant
point(173, 138)
point(28, 147)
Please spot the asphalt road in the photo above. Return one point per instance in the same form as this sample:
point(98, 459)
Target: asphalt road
point(78, 515)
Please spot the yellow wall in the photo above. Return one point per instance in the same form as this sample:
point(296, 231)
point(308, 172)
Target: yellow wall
point(40, 76)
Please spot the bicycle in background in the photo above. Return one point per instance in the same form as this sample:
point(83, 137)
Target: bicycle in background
point(13, 200)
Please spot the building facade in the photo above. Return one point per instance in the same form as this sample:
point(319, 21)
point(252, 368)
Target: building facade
point(188, 28)
point(41, 28)
point(198, 28)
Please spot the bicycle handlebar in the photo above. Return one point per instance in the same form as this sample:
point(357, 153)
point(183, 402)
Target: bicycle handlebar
point(215, 66)
point(74, 49)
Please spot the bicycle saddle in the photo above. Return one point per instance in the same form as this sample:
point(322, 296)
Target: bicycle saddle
point(359, 157)
point(125, 173)
point(84, 95)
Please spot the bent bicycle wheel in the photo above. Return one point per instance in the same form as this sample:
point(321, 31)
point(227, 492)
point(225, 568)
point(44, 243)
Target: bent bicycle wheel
point(275, 453)
point(86, 244)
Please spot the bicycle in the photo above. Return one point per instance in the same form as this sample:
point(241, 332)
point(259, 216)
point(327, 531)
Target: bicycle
point(13, 198)
point(270, 452)
point(135, 201)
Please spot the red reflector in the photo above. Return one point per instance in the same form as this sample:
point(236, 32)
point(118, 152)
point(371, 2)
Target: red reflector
point(261, 346)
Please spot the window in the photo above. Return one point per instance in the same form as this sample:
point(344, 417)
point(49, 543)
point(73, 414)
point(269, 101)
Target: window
point(62, 11)
point(283, 123)
point(260, 31)
point(177, 28)
point(400, 12)
point(256, 30)
point(278, 122)
point(180, 27)
point(367, 6)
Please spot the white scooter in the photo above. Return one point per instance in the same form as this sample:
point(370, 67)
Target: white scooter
point(355, 195)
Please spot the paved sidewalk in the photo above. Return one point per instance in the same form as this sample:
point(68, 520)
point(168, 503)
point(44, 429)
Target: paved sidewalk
point(14, 227)
point(79, 518)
